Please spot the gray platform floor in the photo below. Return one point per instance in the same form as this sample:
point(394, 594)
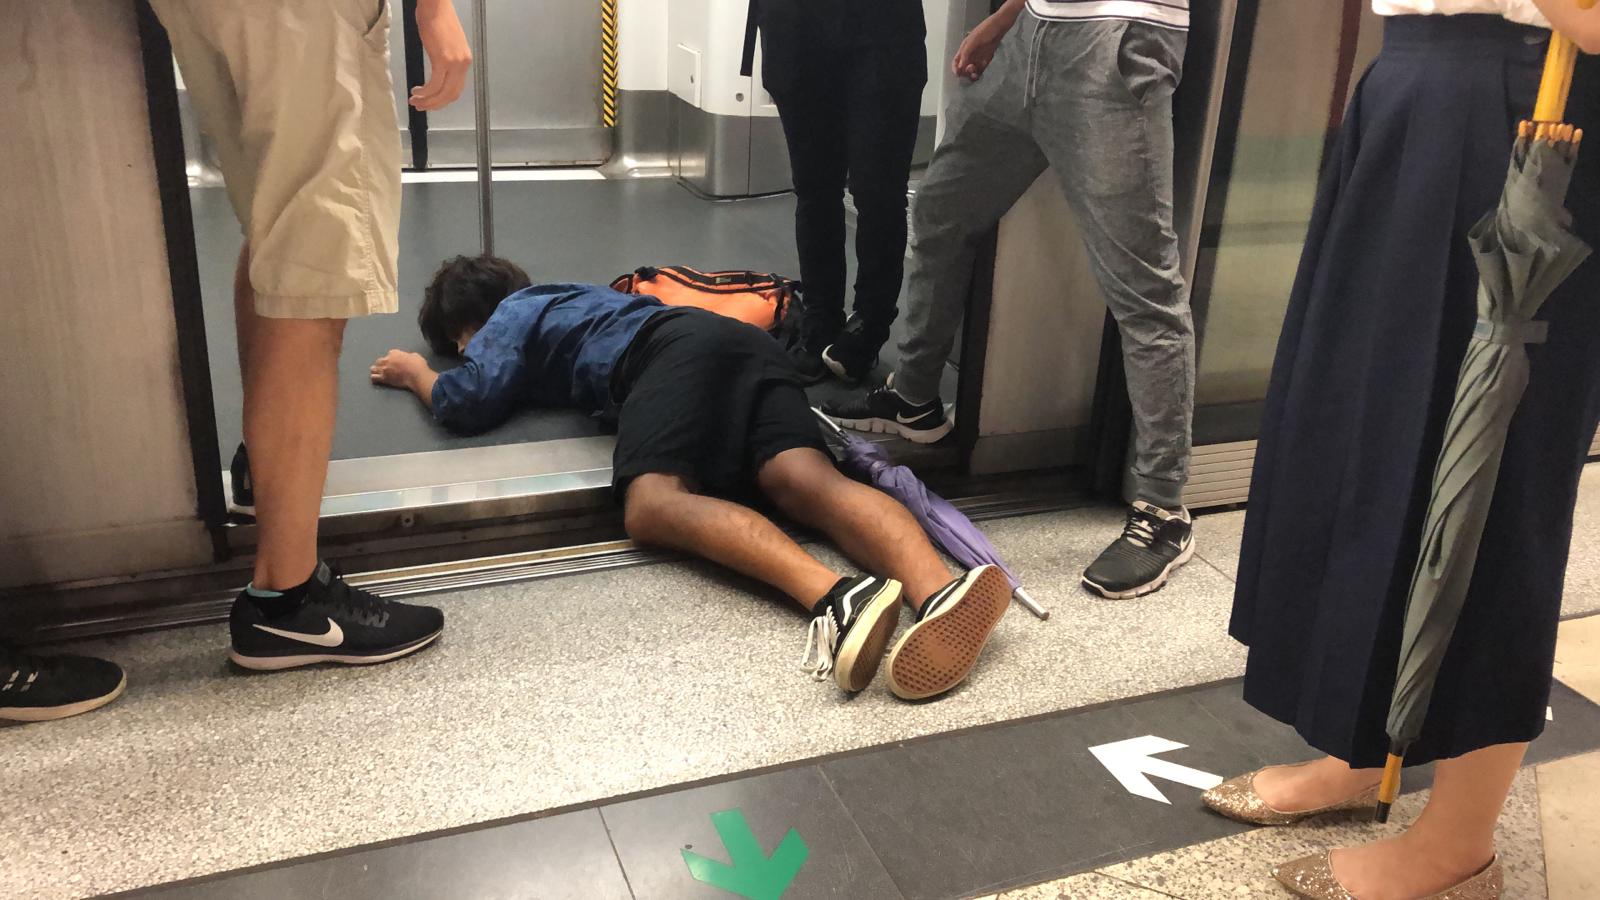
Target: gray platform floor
point(555, 693)
point(589, 231)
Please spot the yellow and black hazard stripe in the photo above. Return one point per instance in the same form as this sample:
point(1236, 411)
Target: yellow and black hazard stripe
point(608, 63)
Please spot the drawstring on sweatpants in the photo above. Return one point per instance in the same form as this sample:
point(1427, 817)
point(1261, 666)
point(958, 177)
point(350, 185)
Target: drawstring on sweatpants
point(1033, 62)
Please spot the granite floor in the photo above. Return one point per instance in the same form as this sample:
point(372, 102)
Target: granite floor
point(566, 692)
point(1547, 836)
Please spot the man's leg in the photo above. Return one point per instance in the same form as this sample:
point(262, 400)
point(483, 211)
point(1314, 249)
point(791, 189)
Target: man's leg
point(811, 127)
point(882, 108)
point(662, 511)
point(291, 389)
point(985, 162)
point(1106, 126)
point(868, 525)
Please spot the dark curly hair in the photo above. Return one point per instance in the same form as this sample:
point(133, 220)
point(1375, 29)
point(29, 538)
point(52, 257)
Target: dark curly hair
point(462, 295)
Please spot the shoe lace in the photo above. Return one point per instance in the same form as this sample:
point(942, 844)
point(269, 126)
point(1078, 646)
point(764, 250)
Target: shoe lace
point(823, 633)
point(1140, 529)
point(362, 605)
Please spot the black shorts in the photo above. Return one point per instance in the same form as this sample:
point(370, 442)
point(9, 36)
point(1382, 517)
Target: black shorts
point(709, 399)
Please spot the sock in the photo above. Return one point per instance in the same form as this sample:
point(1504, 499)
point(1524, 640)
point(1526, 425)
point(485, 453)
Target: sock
point(277, 603)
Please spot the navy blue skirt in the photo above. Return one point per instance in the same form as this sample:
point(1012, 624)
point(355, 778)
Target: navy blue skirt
point(1378, 322)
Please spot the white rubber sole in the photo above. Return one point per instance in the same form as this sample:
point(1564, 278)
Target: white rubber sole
point(278, 663)
point(1144, 590)
point(862, 652)
point(65, 711)
point(891, 426)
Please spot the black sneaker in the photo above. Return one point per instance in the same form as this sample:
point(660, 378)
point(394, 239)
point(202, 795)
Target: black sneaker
point(850, 629)
point(938, 652)
point(808, 364)
point(41, 688)
point(1153, 545)
point(336, 623)
point(854, 355)
point(884, 412)
point(242, 499)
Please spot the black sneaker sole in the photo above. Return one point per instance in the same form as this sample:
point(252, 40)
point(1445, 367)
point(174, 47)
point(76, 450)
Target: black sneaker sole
point(939, 652)
point(862, 651)
point(64, 711)
point(1147, 588)
point(278, 663)
point(893, 426)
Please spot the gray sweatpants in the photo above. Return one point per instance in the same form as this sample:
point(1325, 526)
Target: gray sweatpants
point(1093, 100)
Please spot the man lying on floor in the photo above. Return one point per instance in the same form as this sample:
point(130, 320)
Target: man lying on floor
point(708, 411)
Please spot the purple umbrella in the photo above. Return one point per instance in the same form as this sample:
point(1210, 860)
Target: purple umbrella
point(945, 525)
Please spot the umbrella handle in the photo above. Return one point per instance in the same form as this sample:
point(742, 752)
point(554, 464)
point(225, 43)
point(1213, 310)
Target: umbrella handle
point(1030, 604)
point(828, 423)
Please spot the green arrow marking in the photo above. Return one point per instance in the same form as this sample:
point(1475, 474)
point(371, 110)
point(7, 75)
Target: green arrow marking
point(753, 874)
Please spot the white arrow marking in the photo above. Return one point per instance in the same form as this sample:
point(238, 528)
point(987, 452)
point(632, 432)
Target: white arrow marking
point(1131, 761)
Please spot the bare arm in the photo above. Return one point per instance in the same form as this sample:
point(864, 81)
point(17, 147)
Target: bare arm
point(449, 55)
point(1580, 25)
point(977, 50)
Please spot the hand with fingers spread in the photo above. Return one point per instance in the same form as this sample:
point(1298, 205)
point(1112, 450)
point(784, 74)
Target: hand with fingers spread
point(449, 56)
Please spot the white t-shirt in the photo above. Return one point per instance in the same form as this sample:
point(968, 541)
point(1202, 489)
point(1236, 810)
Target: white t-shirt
point(1522, 11)
point(1170, 13)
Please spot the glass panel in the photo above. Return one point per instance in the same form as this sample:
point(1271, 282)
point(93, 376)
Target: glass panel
point(1283, 125)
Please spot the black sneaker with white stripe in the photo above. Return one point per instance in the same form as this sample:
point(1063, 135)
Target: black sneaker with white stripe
point(854, 355)
point(850, 628)
point(1153, 545)
point(334, 623)
point(41, 688)
point(885, 412)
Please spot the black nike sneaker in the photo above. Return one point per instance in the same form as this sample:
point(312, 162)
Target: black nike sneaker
point(885, 412)
point(808, 364)
point(855, 354)
point(242, 499)
point(335, 623)
point(938, 652)
point(1153, 545)
point(850, 629)
point(42, 688)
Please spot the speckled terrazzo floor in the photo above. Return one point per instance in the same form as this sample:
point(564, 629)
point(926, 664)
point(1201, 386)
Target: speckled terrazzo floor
point(562, 692)
point(540, 695)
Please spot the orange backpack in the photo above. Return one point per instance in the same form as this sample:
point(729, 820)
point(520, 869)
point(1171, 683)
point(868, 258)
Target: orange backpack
point(761, 300)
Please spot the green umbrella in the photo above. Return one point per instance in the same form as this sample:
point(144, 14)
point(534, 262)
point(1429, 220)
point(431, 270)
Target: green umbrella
point(1524, 250)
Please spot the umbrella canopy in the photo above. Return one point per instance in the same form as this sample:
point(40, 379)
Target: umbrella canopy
point(1524, 250)
point(945, 525)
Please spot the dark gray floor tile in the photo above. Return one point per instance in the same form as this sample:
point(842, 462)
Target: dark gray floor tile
point(651, 836)
point(567, 856)
point(964, 814)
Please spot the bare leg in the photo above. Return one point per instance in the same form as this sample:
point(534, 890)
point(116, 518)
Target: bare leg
point(291, 371)
point(867, 524)
point(1450, 842)
point(1316, 784)
point(662, 511)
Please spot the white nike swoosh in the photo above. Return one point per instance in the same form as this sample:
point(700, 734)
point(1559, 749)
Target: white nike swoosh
point(905, 421)
point(333, 638)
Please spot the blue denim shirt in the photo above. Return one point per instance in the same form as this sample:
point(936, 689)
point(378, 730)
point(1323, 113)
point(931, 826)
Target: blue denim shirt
point(549, 345)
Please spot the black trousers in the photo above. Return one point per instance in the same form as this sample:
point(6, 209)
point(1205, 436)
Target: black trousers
point(851, 120)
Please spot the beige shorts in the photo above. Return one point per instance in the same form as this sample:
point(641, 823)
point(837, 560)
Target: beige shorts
point(298, 98)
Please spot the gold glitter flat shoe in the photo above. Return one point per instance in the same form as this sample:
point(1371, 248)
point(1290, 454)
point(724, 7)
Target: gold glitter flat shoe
point(1237, 799)
point(1312, 877)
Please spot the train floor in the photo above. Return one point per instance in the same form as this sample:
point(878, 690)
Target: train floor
point(647, 732)
point(589, 230)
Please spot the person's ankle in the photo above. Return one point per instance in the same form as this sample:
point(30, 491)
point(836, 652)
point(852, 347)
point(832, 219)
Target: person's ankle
point(1446, 849)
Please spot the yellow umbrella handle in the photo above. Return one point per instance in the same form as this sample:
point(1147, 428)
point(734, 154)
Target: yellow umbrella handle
point(1557, 81)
